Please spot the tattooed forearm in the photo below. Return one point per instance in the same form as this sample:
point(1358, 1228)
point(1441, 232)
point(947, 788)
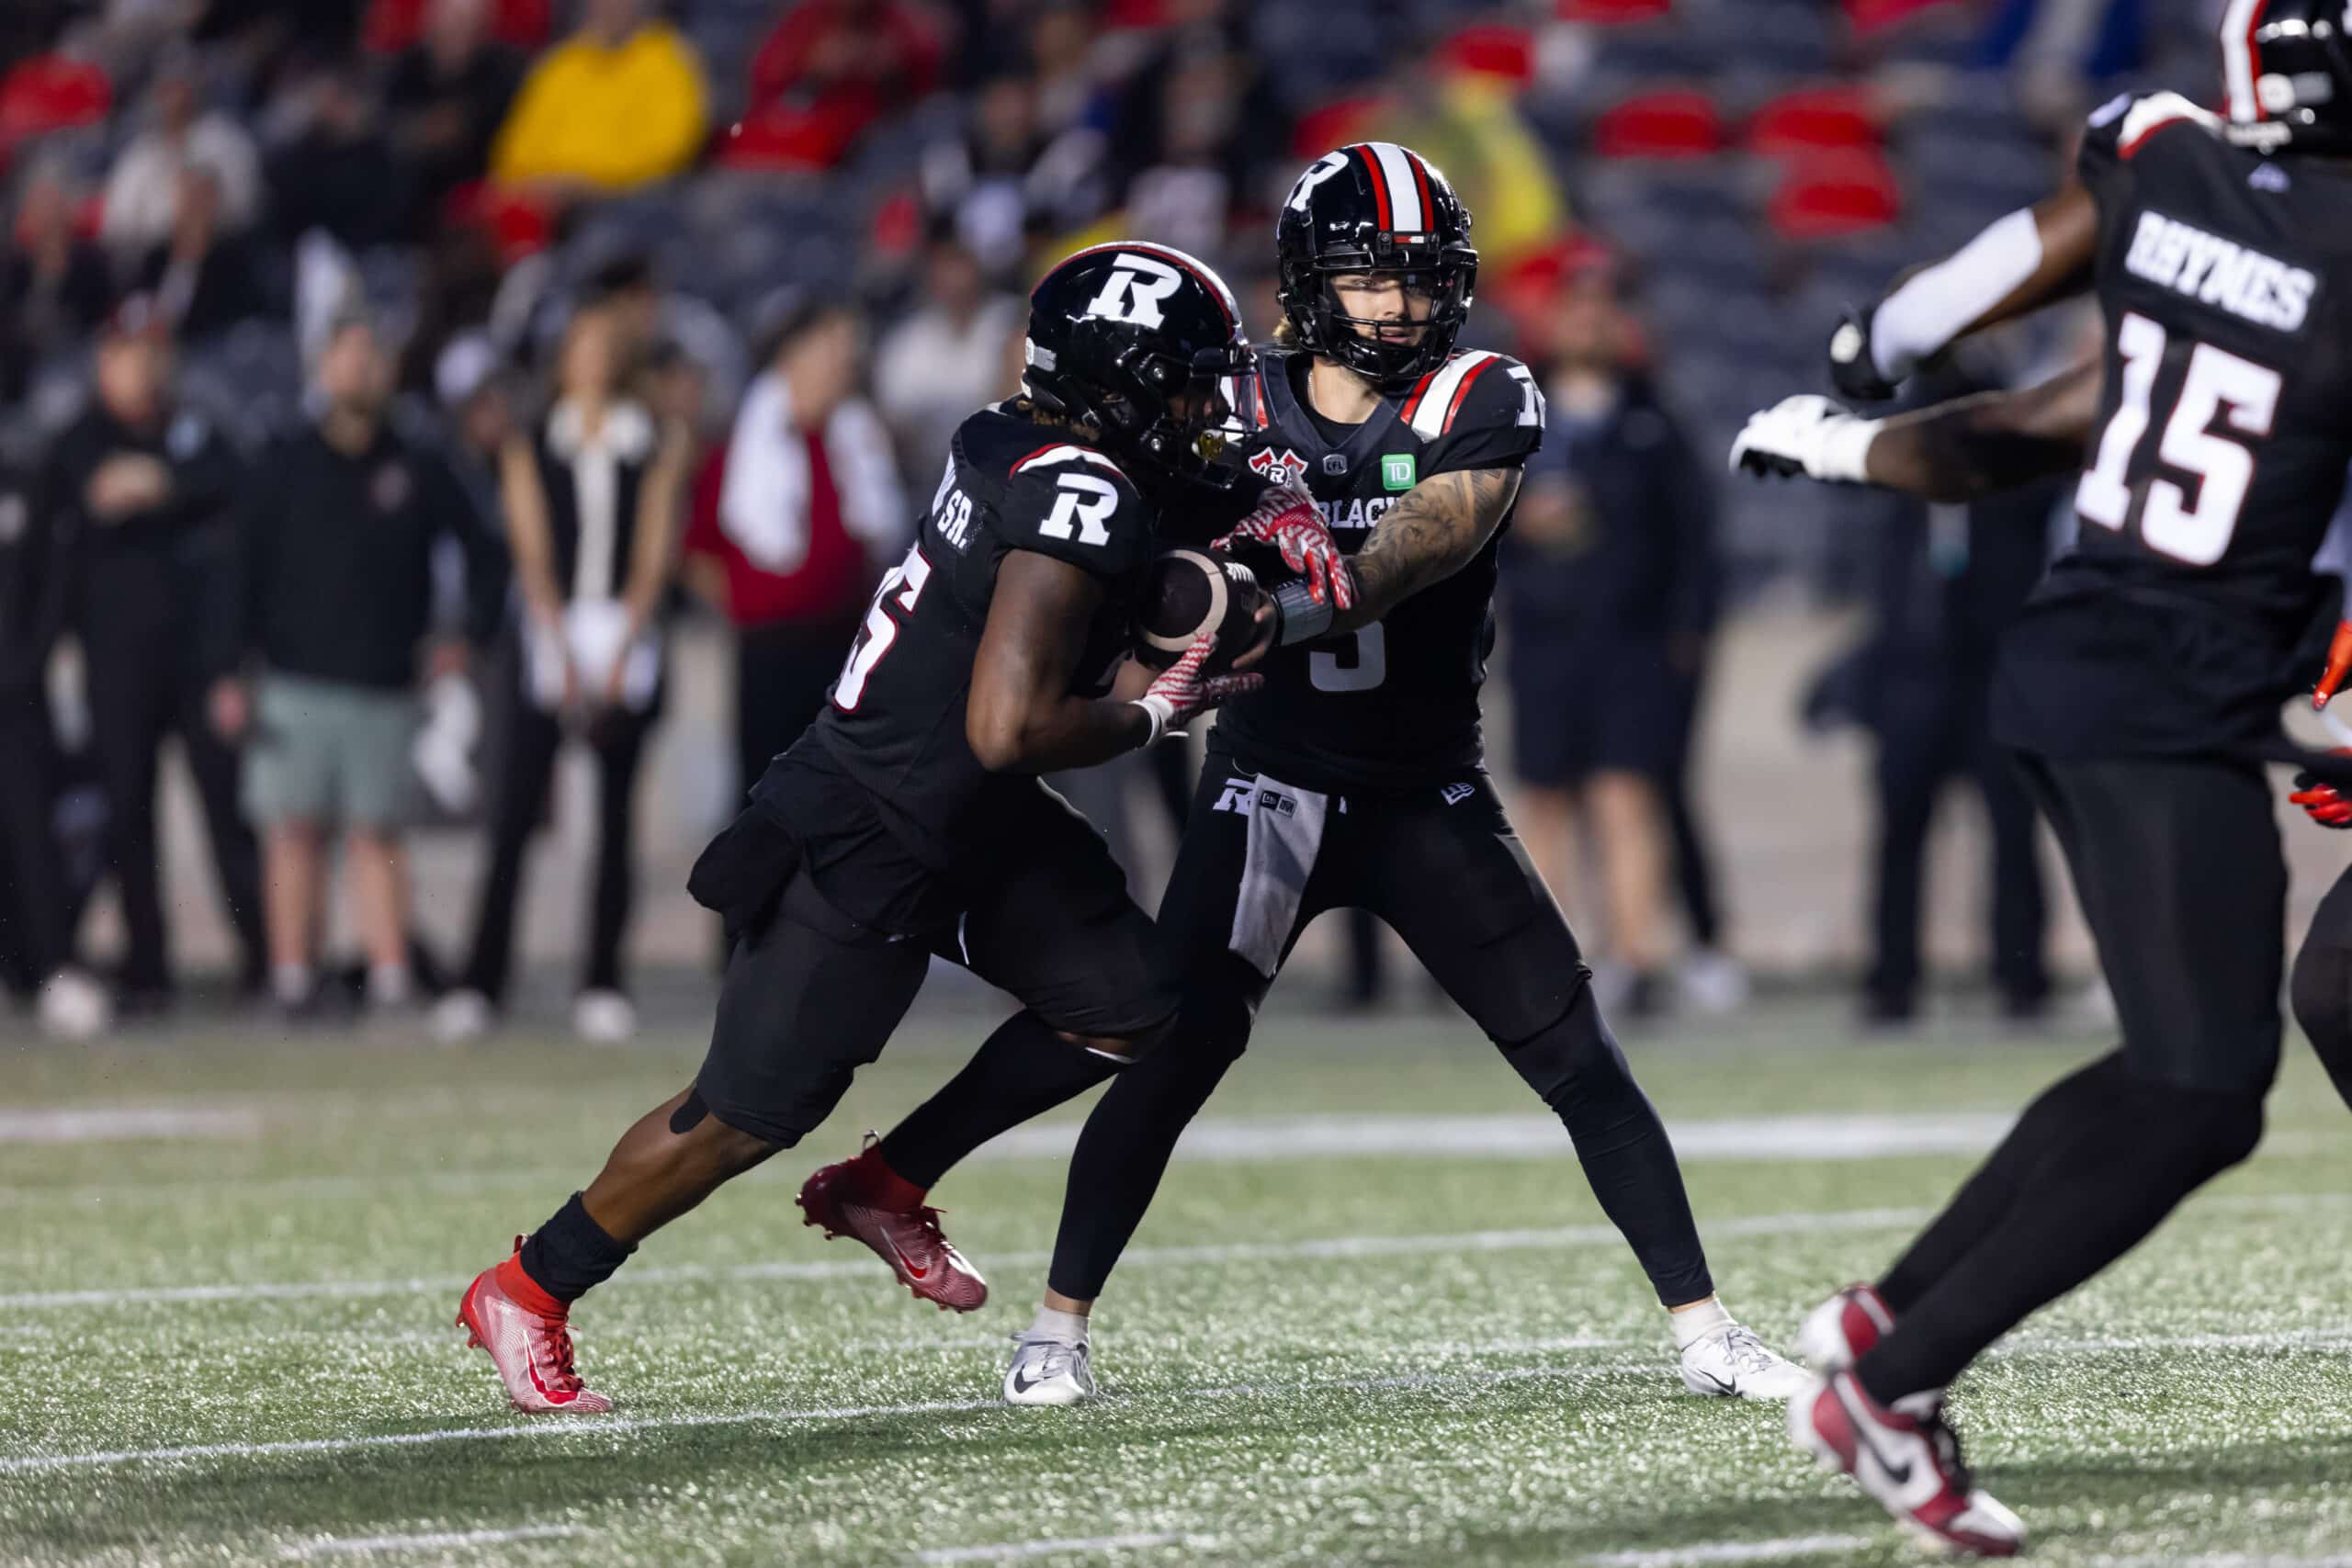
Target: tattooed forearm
point(1427, 537)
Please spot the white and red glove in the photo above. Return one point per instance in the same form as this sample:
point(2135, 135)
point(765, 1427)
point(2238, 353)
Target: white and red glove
point(1289, 520)
point(1182, 693)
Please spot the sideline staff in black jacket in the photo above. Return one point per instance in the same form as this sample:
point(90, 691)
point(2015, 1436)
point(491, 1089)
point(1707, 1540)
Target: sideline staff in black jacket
point(333, 596)
point(136, 497)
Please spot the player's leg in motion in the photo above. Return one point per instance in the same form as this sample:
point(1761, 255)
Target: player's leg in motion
point(810, 997)
point(1058, 931)
point(1458, 886)
point(1252, 849)
point(2178, 865)
point(2320, 989)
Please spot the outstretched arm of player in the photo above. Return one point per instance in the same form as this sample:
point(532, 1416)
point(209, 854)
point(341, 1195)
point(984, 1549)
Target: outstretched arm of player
point(2018, 264)
point(1438, 527)
point(1952, 452)
point(1021, 718)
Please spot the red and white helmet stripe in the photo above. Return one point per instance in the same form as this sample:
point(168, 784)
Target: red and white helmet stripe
point(2241, 59)
point(1400, 184)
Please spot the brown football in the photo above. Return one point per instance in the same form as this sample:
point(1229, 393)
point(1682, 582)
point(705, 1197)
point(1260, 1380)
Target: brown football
point(1189, 591)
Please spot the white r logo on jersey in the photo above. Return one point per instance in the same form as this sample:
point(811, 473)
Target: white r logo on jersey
point(1134, 289)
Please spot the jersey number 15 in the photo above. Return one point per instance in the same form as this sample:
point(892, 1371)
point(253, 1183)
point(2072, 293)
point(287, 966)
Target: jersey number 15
point(2222, 466)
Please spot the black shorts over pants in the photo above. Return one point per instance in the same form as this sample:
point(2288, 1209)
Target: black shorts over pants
point(830, 953)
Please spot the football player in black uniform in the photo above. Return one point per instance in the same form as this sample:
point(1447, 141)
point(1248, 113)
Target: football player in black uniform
point(909, 821)
point(2141, 686)
point(1355, 778)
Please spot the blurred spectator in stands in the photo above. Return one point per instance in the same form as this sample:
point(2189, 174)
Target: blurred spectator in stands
point(2060, 52)
point(449, 92)
point(793, 521)
point(137, 496)
point(205, 278)
point(333, 598)
point(592, 499)
point(1190, 165)
point(338, 172)
point(1062, 35)
point(617, 106)
point(830, 68)
point(948, 358)
point(394, 26)
point(1609, 584)
point(54, 285)
point(36, 950)
point(149, 182)
point(1001, 180)
point(1949, 580)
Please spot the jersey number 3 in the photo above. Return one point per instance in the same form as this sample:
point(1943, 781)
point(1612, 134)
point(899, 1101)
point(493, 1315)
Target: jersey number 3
point(2222, 466)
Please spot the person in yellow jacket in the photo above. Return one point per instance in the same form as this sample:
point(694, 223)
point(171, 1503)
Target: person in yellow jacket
point(617, 105)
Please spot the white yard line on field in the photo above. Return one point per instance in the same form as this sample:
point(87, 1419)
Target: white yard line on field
point(443, 1540)
point(121, 1124)
point(1016, 1550)
point(599, 1426)
point(1729, 1551)
point(1312, 1249)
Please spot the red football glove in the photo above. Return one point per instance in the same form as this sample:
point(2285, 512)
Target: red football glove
point(2339, 662)
point(2321, 801)
point(1182, 693)
point(1288, 520)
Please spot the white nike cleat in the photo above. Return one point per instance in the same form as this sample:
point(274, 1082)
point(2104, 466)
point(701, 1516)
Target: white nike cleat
point(1841, 1330)
point(1731, 1363)
point(1047, 1371)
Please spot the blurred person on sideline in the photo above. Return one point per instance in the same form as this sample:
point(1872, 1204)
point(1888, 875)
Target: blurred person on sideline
point(1947, 581)
point(38, 961)
point(1004, 179)
point(55, 286)
point(332, 601)
point(948, 357)
point(1609, 592)
point(339, 172)
point(590, 503)
point(146, 188)
point(137, 497)
point(449, 94)
point(617, 105)
point(792, 522)
point(830, 68)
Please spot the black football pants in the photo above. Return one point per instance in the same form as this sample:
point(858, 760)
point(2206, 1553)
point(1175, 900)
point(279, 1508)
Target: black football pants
point(1259, 861)
point(2178, 864)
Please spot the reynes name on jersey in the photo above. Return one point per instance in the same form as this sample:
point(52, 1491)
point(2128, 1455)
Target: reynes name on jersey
point(2213, 271)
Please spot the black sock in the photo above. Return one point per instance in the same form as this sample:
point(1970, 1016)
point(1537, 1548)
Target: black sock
point(1577, 1067)
point(1023, 1070)
point(572, 1253)
point(2113, 1167)
point(2006, 1176)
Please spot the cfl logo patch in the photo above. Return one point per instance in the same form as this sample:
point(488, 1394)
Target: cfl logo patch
point(1134, 290)
point(1241, 796)
point(1455, 793)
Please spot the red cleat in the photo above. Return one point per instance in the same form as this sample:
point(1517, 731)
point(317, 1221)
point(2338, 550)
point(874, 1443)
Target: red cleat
point(864, 1198)
point(1841, 1330)
point(527, 1336)
point(1907, 1456)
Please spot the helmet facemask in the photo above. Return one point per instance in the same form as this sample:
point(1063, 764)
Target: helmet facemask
point(1363, 344)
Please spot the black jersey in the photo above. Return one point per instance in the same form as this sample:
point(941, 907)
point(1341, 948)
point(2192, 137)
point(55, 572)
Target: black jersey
point(1394, 705)
point(2186, 613)
point(894, 720)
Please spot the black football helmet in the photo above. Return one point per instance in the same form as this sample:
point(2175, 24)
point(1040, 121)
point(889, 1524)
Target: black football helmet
point(1118, 333)
point(2288, 68)
point(1374, 206)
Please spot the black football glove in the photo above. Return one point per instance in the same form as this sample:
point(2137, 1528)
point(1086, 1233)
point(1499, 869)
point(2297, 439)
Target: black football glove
point(1852, 370)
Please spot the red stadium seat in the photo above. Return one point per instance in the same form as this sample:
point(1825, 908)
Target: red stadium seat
point(1673, 124)
point(789, 138)
point(1493, 50)
point(522, 226)
point(1330, 125)
point(393, 25)
point(50, 93)
point(1612, 13)
point(1870, 16)
point(1835, 195)
point(1814, 119)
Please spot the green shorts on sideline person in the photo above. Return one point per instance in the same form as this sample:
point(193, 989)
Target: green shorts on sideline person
point(331, 751)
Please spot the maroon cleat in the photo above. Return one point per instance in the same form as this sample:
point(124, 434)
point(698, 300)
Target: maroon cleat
point(1841, 1330)
point(864, 1198)
point(1907, 1456)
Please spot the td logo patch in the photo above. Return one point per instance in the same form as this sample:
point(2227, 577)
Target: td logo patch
point(1399, 471)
